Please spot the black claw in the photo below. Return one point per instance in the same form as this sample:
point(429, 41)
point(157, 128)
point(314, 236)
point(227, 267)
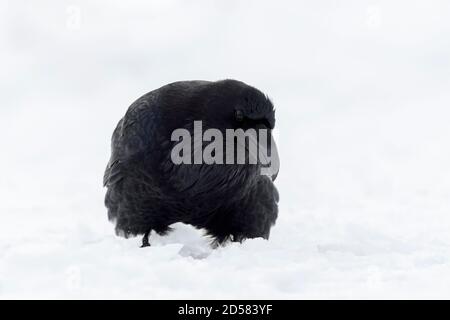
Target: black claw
point(145, 242)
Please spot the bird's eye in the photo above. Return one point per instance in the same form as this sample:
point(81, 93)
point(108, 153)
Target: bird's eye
point(239, 115)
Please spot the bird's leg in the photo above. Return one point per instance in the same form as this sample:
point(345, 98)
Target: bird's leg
point(145, 242)
point(237, 238)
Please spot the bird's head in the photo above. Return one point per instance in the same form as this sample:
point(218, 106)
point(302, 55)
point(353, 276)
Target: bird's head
point(234, 105)
point(222, 137)
point(231, 104)
point(254, 110)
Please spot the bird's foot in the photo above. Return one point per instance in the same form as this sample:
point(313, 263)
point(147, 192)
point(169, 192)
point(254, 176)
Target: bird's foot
point(145, 242)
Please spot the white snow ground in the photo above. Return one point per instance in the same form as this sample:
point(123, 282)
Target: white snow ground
point(362, 97)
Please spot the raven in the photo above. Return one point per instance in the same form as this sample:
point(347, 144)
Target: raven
point(147, 191)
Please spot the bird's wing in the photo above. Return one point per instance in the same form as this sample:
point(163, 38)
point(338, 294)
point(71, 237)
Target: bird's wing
point(132, 137)
point(200, 180)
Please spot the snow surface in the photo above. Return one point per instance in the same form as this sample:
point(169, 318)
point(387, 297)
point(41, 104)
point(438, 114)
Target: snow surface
point(362, 97)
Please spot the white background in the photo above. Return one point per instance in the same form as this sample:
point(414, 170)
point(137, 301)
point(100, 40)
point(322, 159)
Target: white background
point(362, 95)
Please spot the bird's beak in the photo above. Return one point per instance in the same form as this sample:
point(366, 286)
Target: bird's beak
point(272, 162)
point(274, 176)
point(271, 170)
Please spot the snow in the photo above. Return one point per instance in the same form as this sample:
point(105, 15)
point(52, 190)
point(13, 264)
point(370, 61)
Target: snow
point(362, 128)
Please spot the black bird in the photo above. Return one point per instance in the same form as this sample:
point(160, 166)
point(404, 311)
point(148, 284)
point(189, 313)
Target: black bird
point(146, 191)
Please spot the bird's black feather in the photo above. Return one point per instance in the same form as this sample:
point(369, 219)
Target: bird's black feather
point(147, 191)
